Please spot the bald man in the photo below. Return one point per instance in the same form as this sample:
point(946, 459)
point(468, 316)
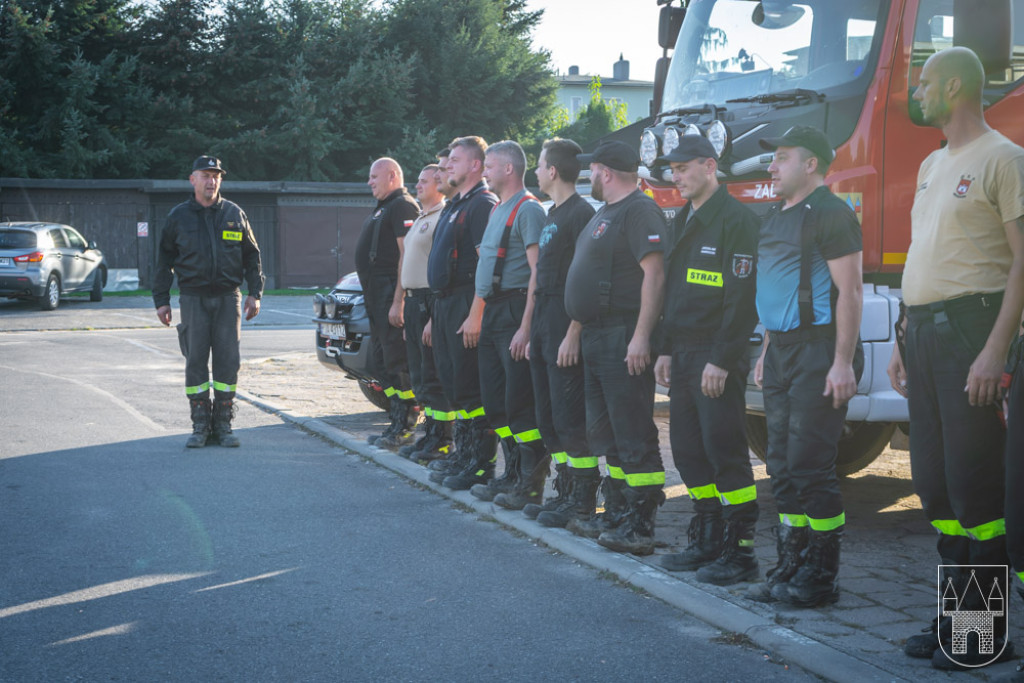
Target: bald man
point(379, 254)
point(963, 291)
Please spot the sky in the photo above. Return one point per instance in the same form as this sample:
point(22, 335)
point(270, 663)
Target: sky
point(591, 34)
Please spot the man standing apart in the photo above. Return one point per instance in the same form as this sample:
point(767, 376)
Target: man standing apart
point(555, 343)
point(209, 245)
point(437, 438)
point(963, 287)
point(378, 255)
point(709, 316)
point(809, 297)
point(457, 314)
point(614, 289)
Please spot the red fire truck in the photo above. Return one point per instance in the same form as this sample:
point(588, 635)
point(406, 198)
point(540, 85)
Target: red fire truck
point(741, 70)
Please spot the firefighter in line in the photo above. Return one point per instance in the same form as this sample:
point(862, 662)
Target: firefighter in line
point(506, 278)
point(456, 316)
point(438, 414)
point(209, 245)
point(554, 350)
point(378, 254)
point(614, 289)
point(809, 297)
point(705, 332)
point(963, 291)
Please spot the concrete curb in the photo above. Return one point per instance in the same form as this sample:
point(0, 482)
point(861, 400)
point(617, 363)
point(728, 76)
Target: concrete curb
point(784, 643)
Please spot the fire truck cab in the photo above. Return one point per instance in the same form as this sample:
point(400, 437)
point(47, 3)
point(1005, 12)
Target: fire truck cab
point(742, 70)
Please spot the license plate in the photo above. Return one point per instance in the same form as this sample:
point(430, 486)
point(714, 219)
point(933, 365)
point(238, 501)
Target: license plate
point(332, 330)
point(5, 261)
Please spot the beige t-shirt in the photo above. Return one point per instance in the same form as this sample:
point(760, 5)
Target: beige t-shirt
point(417, 248)
point(958, 240)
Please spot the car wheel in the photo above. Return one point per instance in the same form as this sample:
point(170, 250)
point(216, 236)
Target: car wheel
point(375, 395)
point(859, 445)
point(97, 286)
point(51, 295)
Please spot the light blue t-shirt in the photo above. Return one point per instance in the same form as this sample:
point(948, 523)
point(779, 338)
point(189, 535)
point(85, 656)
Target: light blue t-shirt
point(526, 230)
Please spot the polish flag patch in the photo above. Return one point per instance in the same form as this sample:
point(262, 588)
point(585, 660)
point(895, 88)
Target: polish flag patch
point(408, 224)
point(654, 239)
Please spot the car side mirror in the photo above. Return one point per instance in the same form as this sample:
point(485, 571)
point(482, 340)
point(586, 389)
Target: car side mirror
point(92, 244)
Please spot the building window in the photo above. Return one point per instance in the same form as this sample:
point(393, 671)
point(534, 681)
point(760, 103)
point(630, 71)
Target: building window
point(575, 104)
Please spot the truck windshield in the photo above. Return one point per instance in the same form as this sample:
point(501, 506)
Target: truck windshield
point(744, 50)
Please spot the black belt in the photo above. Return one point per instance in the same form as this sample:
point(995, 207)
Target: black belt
point(803, 334)
point(959, 305)
point(458, 289)
point(422, 292)
point(616, 317)
point(506, 294)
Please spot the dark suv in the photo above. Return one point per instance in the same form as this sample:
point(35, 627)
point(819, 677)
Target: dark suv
point(44, 260)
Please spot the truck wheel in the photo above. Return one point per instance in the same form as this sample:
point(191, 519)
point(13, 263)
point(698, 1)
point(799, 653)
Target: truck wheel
point(375, 395)
point(859, 445)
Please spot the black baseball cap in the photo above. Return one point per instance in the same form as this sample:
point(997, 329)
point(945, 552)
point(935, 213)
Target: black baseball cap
point(207, 163)
point(613, 154)
point(808, 137)
point(691, 147)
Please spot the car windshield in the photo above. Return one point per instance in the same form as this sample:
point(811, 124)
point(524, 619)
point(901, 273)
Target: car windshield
point(17, 239)
point(741, 49)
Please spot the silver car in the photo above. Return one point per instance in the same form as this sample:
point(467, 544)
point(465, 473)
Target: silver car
point(42, 261)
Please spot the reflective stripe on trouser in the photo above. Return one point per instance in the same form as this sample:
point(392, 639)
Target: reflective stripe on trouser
point(956, 450)
point(387, 345)
point(422, 370)
point(803, 427)
point(709, 440)
point(620, 406)
point(560, 458)
point(208, 335)
point(457, 366)
point(559, 399)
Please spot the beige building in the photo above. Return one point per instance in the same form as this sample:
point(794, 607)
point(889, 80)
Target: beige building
point(574, 91)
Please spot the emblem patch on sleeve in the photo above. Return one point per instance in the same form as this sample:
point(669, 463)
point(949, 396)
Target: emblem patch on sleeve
point(742, 265)
point(599, 230)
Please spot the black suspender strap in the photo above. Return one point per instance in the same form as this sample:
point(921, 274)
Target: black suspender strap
point(805, 294)
point(376, 238)
point(506, 236)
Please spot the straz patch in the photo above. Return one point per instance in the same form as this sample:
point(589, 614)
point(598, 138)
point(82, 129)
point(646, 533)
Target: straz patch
point(963, 186)
point(742, 265)
point(232, 236)
point(599, 231)
point(703, 277)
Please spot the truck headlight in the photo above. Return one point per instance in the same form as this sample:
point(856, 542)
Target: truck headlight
point(670, 140)
point(718, 136)
point(331, 306)
point(648, 148)
point(318, 305)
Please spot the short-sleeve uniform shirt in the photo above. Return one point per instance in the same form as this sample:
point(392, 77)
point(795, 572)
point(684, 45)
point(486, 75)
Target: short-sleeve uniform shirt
point(526, 228)
point(417, 248)
point(392, 218)
point(557, 242)
point(779, 252)
point(609, 249)
point(958, 239)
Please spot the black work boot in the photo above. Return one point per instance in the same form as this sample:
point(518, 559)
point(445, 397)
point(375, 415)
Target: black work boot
point(439, 446)
point(509, 477)
point(615, 508)
point(393, 420)
point(483, 456)
point(202, 414)
point(562, 484)
point(405, 414)
point(429, 430)
point(923, 645)
point(789, 544)
point(636, 532)
point(534, 467)
point(815, 582)
point(705, 535)
point(737, 561)
point(457, 458)
point(579, 505)
point(223, 413)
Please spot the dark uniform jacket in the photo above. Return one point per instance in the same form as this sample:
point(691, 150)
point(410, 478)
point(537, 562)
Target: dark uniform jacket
point(709, 271)
point(211, 250)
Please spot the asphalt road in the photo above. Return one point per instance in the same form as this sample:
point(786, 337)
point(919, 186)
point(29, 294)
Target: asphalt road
point(124, 556)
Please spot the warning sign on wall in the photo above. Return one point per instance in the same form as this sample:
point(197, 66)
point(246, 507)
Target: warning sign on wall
point(143, 229)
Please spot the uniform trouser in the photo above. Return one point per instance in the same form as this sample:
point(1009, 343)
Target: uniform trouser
point(620, 406)
point(558, 392)
point(388, 347)
point(505, 384)
point(457, 366)
point(956, 450)
point(1015, 473)
point(422, 371)
point(210, 324)
point(804, 428)
point(709, 441)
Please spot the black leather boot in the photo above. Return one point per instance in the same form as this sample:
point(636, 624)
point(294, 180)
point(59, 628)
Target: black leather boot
point(737, 561)
point(223, 413)
point(580, 503)
point(534, 467)
point(429, 434)
point(615, 509)
point(636, 532)
point(509, 477)
point(483, 456)
point(562, 484)
point(705, 535)
point(458, 457)
point(816, 581)
point(789, 544)
point(202, 415)
point(405, 416)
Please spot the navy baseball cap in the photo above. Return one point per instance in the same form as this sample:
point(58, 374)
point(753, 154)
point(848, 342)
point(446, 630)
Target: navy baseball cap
point(808, 137)
point(691, 147)
point(207, 163)
point(613, 154)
